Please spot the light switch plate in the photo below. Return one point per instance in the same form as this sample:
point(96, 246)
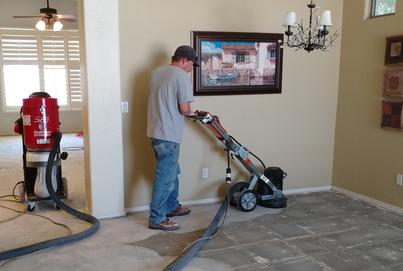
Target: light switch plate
point(125, 107)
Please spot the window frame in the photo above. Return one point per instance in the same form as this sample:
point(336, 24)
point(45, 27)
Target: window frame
point(373, 9)
point(68, 36)
point(240, 57)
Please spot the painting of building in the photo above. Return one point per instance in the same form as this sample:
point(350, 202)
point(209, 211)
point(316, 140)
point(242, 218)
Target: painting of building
point(228, 63)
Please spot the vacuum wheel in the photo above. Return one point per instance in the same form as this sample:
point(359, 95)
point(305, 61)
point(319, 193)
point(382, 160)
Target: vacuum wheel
point(234, 191)
point(30, 207)
point(247, 200)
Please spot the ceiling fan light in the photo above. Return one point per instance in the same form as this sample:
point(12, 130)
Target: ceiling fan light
point(57, 26)
point(40, 25)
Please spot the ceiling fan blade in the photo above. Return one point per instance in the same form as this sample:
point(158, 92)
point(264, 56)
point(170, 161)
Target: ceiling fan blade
point(66, 17)
point(22, 17)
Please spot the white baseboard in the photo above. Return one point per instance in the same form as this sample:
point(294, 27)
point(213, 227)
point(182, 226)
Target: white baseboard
point(109, 215)
point(137, 209)
point(189, 202)
point(307, 190)
point(219, 199)
point(371, 201)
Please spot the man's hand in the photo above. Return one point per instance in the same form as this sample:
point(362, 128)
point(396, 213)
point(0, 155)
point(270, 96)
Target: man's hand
point(185, 109)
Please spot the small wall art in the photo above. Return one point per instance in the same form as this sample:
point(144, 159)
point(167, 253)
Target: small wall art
point(394, 50)
point(392, 114)
point(393, 82)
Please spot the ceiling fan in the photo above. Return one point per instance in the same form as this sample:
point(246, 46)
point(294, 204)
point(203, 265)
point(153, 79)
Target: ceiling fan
point(50, 19)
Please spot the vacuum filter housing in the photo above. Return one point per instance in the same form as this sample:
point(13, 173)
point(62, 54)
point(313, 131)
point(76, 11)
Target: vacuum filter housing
point(276, 175)
point(39, 160)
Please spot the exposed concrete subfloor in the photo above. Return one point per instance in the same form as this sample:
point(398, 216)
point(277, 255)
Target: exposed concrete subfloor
point(317, 231)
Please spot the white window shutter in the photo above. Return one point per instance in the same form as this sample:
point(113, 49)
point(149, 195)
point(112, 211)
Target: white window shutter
point(33, 61)
point(19, 59)
point(19, 50)
point(54, 67)
point(74, 74)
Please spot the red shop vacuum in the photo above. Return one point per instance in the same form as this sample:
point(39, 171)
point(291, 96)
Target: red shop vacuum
point(38, 125)
point(41, 136)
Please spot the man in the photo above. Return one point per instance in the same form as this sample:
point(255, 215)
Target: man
point(168, 103)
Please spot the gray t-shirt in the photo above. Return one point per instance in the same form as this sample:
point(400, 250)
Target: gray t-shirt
point(169, 87)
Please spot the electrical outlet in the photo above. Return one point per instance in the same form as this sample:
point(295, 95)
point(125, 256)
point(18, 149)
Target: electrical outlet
point(399, 179)
point(205, 173)
point(125, 107)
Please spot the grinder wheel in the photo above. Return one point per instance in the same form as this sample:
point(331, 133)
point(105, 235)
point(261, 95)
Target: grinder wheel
point(247, 200)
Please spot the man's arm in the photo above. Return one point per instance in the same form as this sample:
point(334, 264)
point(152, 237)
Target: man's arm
point(185, 109)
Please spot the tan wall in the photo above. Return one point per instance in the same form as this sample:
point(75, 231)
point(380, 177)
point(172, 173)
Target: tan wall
point(294, 130)
point(366, 156)
point(71, 121)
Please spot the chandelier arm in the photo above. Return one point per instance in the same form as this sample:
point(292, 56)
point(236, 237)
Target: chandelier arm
point(293, 42)
point(332, 38)
point(301, 36)
point(290, 42)
point(330, 41)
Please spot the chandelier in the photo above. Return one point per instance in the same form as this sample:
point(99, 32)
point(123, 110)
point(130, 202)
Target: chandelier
point(315, 36)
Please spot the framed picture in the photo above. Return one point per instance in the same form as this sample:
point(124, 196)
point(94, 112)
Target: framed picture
point(392, 115)
point(237, 63)
point(394, 50)
point(393, 83)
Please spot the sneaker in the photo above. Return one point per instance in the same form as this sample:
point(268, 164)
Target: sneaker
point(179, 211)
point(166, 225)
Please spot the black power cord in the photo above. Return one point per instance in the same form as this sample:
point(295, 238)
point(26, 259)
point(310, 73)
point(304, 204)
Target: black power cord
point(264, 166)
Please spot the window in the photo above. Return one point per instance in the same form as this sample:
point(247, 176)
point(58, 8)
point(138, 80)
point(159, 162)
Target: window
point(40, 61)
point(382, 7)
point(271, 52)
point(242, 57)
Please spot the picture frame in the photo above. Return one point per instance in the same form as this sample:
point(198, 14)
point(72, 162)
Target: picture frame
point(232, 63)
point(392, 115)
point(394, 50)
point(393, 82)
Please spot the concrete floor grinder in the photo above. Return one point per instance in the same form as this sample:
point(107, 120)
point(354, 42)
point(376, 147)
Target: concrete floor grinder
point(263, 188)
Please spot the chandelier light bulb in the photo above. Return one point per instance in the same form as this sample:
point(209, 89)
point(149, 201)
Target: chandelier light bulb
point(57, 26)
point(291, 18)
point(40, 25)
point(325, 18)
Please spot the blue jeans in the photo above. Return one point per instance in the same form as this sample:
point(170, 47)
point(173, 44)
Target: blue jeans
point(166, 182)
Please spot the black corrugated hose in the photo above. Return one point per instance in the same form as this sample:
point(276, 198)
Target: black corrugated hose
point(187, 255)
point(17, 252)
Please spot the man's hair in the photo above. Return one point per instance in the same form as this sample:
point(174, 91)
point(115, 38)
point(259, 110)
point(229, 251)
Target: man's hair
point(177, 58)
